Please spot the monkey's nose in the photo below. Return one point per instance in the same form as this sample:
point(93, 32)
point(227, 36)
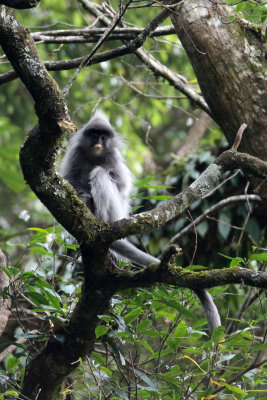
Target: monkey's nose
point(98, 147)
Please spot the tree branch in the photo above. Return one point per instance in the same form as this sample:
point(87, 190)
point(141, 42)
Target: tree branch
point(228, 202)
point(181, 277)
point(20, 4)
point(92, 35)
point(62, 352)
point(147, 221)
point(176, 80)
point(40, 148)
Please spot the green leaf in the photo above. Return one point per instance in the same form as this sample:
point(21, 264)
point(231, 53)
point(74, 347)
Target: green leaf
point(38, 298)
point(258, 257)
point(253, 229)
point(106, 370)
point(202, 228)
point(122, 395)
point(169, 378)
point(156, 187)
point(225, 256)
point(240, 7)
point(151, 332)
point(53, 297)
point(132, 315)
point(224, 224)
point(157, 197)
point(39, 230)
point(70, 247)
point(101, 330)
point(181, 330)
point(144, 181)
point(98, 358)
point(236, 261)
point(12, 393)
point(163, 353)
point(142, 325)
point(177, 306)
point(44, 307)
point(195, 267)
point(217, 334)
point(105, 318)
point(147, 346)
point(39, 250)
point(234, 389)
point(261, 347)
point(147, 380)
point(12, 363)
point(7, 270)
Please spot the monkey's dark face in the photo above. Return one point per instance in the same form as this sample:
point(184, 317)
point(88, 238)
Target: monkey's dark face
point(97, 143)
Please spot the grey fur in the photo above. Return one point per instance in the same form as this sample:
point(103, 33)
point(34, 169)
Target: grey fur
point(103, 182)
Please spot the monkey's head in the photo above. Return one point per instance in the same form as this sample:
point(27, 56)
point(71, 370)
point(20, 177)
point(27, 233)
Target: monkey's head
point(98, 138)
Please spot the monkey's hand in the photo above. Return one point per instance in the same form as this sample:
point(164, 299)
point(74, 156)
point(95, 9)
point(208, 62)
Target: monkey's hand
point(86, 198)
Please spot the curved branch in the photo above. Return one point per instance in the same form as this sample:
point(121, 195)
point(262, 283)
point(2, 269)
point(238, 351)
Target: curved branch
point(37, 157)
point(92, 35)
point(38, 153)
point(153, 64)
point(181, 277)
point(176, 80)
point(228, 202)
point(147, 221)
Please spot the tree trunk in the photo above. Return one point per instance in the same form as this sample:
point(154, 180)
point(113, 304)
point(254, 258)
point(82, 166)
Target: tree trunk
point(229, 63)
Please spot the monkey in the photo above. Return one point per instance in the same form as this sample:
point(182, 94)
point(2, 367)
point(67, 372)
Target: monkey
point(94, 166)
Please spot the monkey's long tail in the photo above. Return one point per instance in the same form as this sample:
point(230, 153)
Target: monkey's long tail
point(139, 257)
point(132, 253)
point(209, 308)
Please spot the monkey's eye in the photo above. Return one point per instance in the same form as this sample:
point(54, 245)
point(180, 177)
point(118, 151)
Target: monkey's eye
point(104, 138)
point(94, 136)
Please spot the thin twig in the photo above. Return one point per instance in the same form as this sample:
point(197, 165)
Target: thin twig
point(87, 59)
point(222, 183)
point(239, 136)
point(222, 204)
point(174, 79)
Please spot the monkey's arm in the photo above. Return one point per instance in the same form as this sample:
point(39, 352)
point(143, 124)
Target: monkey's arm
point(83, 190)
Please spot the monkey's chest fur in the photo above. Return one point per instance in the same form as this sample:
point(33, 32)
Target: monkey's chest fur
point(106, 191)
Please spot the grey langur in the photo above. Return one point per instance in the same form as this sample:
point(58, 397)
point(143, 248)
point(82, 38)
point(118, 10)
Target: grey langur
point(94, 166)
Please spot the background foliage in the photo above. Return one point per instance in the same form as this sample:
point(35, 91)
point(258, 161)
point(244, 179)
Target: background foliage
point(154, 344)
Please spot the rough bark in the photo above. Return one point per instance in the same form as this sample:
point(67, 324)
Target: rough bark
point(230, 65)
point(73, 341)
point(46, 371)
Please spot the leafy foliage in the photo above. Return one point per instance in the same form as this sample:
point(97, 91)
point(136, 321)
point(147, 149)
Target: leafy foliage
point(154, 343)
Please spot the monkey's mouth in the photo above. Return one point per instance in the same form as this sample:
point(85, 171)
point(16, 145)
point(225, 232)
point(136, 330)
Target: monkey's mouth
point(98, 148)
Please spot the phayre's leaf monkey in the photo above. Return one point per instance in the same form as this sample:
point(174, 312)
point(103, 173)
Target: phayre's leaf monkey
point(94, 166)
